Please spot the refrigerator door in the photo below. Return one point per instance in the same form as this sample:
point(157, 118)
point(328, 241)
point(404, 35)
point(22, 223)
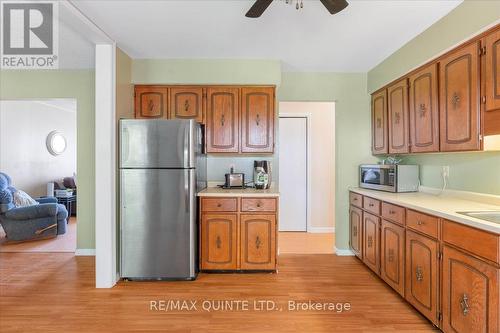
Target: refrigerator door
point(158, 143)
point(158, 224)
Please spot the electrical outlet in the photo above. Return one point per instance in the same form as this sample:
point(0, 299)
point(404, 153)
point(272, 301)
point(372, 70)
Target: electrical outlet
point(446, 171)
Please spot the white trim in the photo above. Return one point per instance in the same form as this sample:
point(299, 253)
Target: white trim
point(85, 252)
point(321, 230)
point(308, 116)
point(105, 163)
point(343, 252)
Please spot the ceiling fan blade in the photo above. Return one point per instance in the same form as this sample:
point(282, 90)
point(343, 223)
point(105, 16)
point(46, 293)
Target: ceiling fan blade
point(258, 8)
point(334, 6)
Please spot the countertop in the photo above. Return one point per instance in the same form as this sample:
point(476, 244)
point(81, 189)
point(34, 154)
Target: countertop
point(238, 192)
point(444, 205)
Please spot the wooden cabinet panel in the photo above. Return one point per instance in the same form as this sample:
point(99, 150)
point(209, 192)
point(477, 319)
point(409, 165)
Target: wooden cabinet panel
point(470, 294)
point(187, 103)
point(219, 241)
point(356, 199)
point(393, 213)
point(492, 70)
point(355, 231)
point(379, 123)
point(423, 223)
point(459, 99)
point(258, 205)
point(151, 102)
point(371, 242)
point(424, 110)
point(392, 248)
point(371, 205)
point(258, 241)
point(257, 120)
point(223, 130)
point(219, 204)
point(397, 108)
point(421, 278)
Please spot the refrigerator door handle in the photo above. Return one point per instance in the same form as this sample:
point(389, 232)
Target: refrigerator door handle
point(124, 145)
point(187, 192)
point(186, 147)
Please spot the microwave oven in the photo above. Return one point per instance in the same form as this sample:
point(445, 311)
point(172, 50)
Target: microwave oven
point(389, 177)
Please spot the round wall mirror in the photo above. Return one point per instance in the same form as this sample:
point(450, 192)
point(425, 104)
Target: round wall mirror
point(56, 143)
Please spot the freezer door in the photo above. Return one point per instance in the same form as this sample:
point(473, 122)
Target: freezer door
point(158, 223)
point(158, 143)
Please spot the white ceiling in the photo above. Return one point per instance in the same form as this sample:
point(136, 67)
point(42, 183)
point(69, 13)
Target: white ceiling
point(354, 40)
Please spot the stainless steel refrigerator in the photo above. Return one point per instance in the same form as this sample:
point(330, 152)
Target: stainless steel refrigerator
point(162, 167)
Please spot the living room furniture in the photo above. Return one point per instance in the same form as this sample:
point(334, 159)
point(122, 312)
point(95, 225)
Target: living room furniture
point(69, 203)
point(45, 220)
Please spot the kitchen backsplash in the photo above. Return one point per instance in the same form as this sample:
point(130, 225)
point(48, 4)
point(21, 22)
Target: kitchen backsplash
point(218, 166)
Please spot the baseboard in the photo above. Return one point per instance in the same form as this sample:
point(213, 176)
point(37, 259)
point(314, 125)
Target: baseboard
point(85, 252)
point(321, 230)
point(343, 252)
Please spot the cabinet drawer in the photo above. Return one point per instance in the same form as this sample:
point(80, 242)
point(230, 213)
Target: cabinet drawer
point(478, 242)
point(422, 222)
point(371, 205)
point(356, 199)
point(393, 213)
point(219, 204)
point(258, 205)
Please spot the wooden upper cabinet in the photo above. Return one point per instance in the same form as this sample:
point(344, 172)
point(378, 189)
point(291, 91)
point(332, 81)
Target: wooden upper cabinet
point(371, 242)
point(470, 294)
point(424, 110)
point(187, 103)
point(459, 99)
point(421, 278)
point(223, 130)
point(257, 120)
point(397, 108)
point(379, 123)
point(356, 229)
point(151, 102)
point(258, 241)
point(219, 235)
point(491, 44)
point(392, 249)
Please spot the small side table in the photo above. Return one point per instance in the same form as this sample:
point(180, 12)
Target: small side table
point(68, 203)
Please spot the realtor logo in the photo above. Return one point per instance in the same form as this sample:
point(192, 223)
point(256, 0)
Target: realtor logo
point(29, 35)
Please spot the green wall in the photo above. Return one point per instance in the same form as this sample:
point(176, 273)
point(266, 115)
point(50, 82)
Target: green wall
point(77, 84)
point(352, 137)
point(477, 172)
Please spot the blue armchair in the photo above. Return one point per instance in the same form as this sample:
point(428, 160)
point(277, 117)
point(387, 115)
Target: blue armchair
point(48, 219)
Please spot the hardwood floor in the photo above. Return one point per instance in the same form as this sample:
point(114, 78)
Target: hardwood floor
point(306, 243)
point(55, 293)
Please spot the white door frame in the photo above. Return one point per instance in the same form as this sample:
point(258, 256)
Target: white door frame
point(308, 116)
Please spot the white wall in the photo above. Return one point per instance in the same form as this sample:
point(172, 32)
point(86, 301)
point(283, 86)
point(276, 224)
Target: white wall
point(24, 126)
point(322, 158)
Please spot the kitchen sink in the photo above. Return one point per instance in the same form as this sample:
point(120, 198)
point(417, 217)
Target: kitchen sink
point(490, 215)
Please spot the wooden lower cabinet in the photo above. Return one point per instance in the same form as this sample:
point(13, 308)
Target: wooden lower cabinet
point(470, 294)
point(356, 231)
point(392, 249)
point(371, 242)
point(219, 241)
point(422, 274)
point(233, 239)
point(258, 241)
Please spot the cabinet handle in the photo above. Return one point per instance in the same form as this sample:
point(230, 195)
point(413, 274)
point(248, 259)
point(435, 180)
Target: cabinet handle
point(422, 110)
point(455, 100)
point(392, 212)
point(464, 304)
point(355, 199)
point(419, 222)
point(354, 231)
point(258, 204)
point(218, 242)
point(151, 105)
point(219, 205)
point(419, 274)
point(257, 242)
point(370, 241)
point(222, 120)
point(257, 119)
point(371, 205)
point(186, 105)
point(391, 255)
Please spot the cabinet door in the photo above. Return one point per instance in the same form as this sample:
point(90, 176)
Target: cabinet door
point(392, 248)
point(356, 229)
point(219, 247)
point(151, 102)
point(459, 111)
point(371, 242)
point(397, 108)
point(222, 127)
point(257, 120)
point(422, 274)
point(258, 242)
point(187, 103)
point(492, 70)
point(424, 110)
point(470, 294)
point(379, 123)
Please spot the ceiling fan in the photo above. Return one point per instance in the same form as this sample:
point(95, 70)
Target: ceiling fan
point(333, 6)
